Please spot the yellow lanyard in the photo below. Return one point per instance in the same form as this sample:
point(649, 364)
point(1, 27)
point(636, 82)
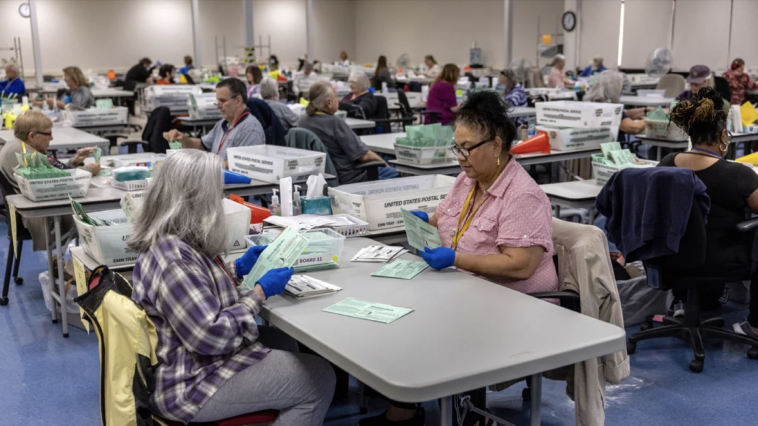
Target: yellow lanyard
point(458, 233)
point(23, 148)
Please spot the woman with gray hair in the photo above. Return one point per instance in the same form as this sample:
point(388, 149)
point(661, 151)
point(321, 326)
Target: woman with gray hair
point(214, 361)
point(607, 89)
point(270, 94)
point(345, 147)
point(557, 78)
point(360, 103)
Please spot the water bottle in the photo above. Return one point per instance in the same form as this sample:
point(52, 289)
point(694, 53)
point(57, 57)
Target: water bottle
point(532, 129)
point(384, 87)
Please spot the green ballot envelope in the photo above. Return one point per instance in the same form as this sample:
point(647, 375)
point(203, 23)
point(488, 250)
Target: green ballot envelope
point(378, 312)
point(400, 268)
point(281, 253)
point(420, 234)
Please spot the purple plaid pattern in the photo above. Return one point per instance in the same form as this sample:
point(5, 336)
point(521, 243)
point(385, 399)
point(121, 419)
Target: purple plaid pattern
point(206, 329)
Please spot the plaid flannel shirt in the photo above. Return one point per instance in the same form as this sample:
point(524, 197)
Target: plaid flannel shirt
point(206, 328)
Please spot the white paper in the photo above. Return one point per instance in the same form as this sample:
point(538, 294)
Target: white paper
point(303, 286)
point(315, 186)
point(285, 193)
point(305, 221)
point(379, 254)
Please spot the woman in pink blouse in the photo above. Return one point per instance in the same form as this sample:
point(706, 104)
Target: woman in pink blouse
point(442, 94)
point(495, 223)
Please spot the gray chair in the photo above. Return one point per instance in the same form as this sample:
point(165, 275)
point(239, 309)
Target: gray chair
point(673, 84)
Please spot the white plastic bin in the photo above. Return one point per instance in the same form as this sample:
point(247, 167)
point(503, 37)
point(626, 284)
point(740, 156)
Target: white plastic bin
point(324, 248)
point(584, 115)
point(203, 107)
point(174, 97)
point(603, 172)
point(424, 155)
point(664, 130)
point(107, 244)
point(98, 117)
point(379, 202)
point(647, 93)
point(270, 163)
point(75, 186)
point(576, 139)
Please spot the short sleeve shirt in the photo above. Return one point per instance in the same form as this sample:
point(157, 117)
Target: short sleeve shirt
point(515, 213)
point(247, 132)
point(344, 146)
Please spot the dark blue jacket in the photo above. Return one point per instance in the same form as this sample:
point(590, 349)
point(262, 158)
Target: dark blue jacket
point(648, 209)
point(272, 127)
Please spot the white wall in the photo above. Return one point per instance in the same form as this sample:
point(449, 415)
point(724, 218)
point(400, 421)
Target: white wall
point(443, 28)
point(335, 30)
point(113, 34)
point(701, 33)
point(600, 32)
point(531, 19)
point(647, 26)
point(743, 33)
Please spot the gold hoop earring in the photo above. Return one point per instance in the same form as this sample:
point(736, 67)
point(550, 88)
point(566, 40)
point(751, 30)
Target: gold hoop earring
point(725, 148)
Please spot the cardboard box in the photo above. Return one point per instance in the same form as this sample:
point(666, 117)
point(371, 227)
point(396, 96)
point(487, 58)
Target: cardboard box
point(576, 139)
point(75, 186)
point(203, 107)
point(107, 244)
point(664, 130)
point(424, 155)
point(379, 202)
point(98, 117)
point(584, 115)
point(270, 163)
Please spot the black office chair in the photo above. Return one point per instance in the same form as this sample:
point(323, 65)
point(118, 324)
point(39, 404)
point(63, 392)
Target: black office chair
point(384, 121)
point(690, 270)
point(722, 86)
point(132, 146)
point(22, 234)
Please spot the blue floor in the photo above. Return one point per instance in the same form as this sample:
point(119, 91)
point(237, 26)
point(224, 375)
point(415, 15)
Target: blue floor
point(48, 380)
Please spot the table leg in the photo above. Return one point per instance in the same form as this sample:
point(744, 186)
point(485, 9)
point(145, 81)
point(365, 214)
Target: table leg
point(659, 154)
point(446, 411)
point(592, 215)
point(61, 281)
point(54, 310)
point(536, 399)
point(558, 211)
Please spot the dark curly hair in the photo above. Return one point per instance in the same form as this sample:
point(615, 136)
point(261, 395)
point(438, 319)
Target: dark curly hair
point(703, 118)
point(487, 112)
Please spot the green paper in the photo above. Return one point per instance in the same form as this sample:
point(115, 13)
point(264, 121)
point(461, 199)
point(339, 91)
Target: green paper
point(104, 103)
point(283, 252)
point(657, 114)
point(175, 145)
point(622, 157)
point(361, 309)
point(420, 234)
point(97, 153)
point(607, 147)
point(403, 269)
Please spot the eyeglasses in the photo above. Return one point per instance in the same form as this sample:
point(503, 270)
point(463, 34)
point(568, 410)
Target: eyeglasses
point(467, 151)
point(44, 133)
point(219, 103)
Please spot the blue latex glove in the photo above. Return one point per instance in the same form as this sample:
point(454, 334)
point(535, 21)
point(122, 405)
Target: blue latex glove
point(245, 263)
point(274, 281)
point(67, 99)
point(421, 215)
point(439, 258)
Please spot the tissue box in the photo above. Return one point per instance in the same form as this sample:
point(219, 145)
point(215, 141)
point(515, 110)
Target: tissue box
point(379, 202)
point(320, 206)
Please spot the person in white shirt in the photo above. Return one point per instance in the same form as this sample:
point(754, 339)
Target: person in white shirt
point(344, 61)
point(432, 69)
point(303, 82)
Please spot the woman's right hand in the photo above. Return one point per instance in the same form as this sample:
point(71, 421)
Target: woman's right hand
point(274, 281)
point(421, 215)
